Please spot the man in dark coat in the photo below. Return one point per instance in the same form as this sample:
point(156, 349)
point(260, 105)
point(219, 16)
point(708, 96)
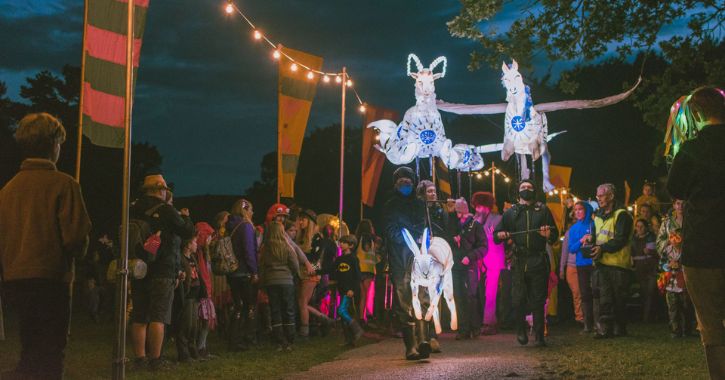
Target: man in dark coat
point(697, 176)
point(534, 228)
point(404, 211)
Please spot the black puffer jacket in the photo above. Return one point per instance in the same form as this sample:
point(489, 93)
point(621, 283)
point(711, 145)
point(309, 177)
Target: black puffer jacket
point(523, 218)
point(697, 177)
point(402, 212)
point(173, 226)
point(474, 245)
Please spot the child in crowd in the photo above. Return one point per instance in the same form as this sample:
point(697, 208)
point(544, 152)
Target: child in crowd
point(347, 275)
point(679, 306)
point(191, 289)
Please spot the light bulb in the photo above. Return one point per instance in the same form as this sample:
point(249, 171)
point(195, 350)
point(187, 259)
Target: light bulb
point(551, 193)
point(362, 108)
point(487, 173)
point(326, 79)
point(576, 199)
point(338, 79)
point(563, 191)
point(257, 35)
point(310, 75)
point(276, 54)
point(556, 191)
point(507, 179)
point(349, 83)
point(229, 8)
point(478, 176)
point(293, 67)
point(498, 171)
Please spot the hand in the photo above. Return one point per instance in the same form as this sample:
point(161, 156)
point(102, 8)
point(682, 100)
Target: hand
point(184, 212)
point(457, 239)
point(451, 205)
point(465, 261)
point(596, 251)
point(503, 235)
point(255, 279)
point(310, 269)
point(585, 239)
point(545, 231)
point(350, 293)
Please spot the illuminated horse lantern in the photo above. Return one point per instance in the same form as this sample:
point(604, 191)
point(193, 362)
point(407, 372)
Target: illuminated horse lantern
point(526, 129)
point(421, 133)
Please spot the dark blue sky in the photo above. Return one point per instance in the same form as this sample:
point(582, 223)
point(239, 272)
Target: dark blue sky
point(206, 93)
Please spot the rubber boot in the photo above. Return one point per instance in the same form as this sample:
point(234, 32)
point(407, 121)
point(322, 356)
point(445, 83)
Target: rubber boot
point(423, 348)
point(411, 352)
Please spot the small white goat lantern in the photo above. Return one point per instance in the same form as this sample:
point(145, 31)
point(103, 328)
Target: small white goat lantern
point(432, 264)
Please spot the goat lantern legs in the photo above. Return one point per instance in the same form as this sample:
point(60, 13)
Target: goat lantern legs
point(432, 264)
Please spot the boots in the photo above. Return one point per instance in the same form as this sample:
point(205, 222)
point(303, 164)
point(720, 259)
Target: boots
point(522, 333)
point(540, 341)
point(289, 334)
point(279, 337)
point(435, 346)
point(411, 352)
point(424, 349)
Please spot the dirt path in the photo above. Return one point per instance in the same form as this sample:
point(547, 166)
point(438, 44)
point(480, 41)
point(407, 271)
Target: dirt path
point(489, 357)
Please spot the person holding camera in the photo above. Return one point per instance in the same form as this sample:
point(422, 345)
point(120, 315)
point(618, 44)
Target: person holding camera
point(528, 227)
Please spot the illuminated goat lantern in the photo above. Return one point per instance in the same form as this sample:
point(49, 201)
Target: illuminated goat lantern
point(421, 133)
point(432, 266)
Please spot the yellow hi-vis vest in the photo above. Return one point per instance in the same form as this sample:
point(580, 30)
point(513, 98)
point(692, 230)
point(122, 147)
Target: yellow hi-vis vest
point(367, 259)
point(605, 232)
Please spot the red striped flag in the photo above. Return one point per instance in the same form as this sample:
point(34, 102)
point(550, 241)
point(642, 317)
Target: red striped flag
point(104, 68)
point(372, 159)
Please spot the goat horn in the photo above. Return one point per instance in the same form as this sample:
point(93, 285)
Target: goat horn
point(436, 62)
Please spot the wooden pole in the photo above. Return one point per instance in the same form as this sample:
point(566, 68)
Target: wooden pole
point(342, 150)
point(362, 168)
point(493, 180)
point(119, 363)
point(279, 139)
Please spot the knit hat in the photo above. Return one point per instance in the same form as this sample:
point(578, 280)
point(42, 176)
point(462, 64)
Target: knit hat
point(482, 198)
point(154, 182)
point(462, 206)
point(527, 181)
point(403, 172)
point(275, 210)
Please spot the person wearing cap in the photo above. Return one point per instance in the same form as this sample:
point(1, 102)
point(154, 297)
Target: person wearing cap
point(494, 260)
point(277, 212)
point(612, 255)
point(528, 227)
point(44, 226)
point(697, 176)
point(469, 247)
point(153, 295)
point(405, 211)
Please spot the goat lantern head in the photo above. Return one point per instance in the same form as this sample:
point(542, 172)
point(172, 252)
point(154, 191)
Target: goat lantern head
point(512, 80)
point(425, 78)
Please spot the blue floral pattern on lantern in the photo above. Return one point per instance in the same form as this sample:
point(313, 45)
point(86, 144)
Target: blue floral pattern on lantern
point(518, 123)
point(427, 136)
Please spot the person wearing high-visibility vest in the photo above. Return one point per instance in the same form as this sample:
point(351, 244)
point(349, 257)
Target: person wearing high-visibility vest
point(612, 263)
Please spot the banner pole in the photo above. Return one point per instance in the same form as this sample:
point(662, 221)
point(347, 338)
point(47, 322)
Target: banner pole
point(362, 167)
point(342, 149)
point(280, 182)
point(119, 363)
point(80, 97)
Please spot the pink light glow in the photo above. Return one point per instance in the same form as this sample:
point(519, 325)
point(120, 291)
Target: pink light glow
point(494, 261)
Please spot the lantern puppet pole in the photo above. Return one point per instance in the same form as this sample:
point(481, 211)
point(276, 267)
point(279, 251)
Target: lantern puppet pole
point(119, 369)
point(342, 149)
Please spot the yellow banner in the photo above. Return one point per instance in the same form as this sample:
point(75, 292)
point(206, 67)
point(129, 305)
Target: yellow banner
point(296, 92)
point(560, 176)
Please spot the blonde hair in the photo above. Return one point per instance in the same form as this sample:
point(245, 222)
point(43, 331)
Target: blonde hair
point(243, 208)
point(38, 133)
point(275, 243)
point(306, 235)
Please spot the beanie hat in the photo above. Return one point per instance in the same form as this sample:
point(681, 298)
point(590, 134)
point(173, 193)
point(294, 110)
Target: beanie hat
point(462, 206)
point(277, 209)
point(154, 182)
point(403, 172)
point(482, 198)
point(527, 181)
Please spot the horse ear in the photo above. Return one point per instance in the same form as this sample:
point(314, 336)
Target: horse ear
point(410, 242)
point(504, 67)
point(514, 65)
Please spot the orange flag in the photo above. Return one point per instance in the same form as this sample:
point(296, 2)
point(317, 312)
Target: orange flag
point(372, 159)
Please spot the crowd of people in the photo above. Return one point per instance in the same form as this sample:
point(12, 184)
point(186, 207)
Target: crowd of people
point(298, 275)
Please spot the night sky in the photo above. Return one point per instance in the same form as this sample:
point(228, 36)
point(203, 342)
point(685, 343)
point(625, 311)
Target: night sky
point(206, 94)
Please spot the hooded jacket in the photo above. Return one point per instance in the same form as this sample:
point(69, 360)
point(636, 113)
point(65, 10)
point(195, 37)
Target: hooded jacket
point(697, 177)
point(577, 231)
point(244, 243)
point(402, 212)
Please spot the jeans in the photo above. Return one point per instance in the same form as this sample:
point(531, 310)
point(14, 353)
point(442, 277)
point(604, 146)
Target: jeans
point(282, 303)
point(43, 308)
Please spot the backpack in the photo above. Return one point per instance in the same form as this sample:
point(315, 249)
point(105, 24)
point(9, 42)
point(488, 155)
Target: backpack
point(223, 259)
point(143, 243)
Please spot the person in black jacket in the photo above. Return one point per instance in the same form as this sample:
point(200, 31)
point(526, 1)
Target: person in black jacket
point(404, 210)
point(347, 275)
point(534, 228)
point(468, 251)
point(153, 295)
point(697, 176)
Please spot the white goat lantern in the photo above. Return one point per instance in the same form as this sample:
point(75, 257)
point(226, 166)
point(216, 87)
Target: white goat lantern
point(432, 270)
point(421, 133)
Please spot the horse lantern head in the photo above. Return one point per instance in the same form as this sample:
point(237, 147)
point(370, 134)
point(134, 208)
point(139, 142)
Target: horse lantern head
point(422, 258)
point(424, 78)
point(512, 80)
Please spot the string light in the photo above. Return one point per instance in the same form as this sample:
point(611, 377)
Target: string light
point(487, 173)
point(295, 65)
point(507, 179)
point(498, 171)
point(478, 176)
